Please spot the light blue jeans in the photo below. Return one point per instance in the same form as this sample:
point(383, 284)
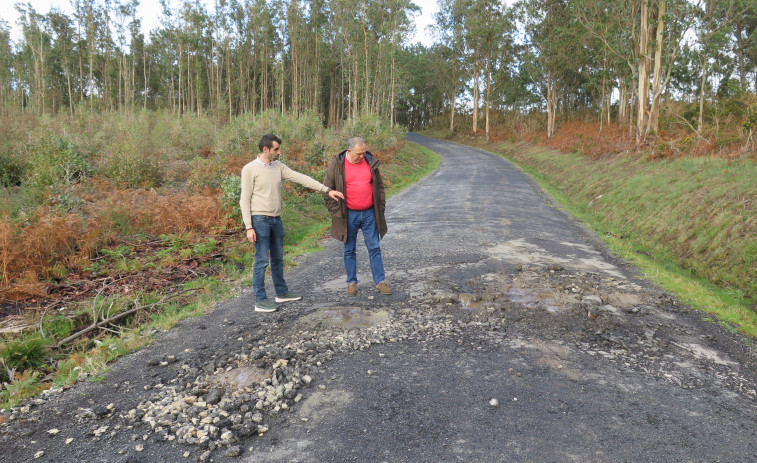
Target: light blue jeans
point(366, 221)
point(269, 232)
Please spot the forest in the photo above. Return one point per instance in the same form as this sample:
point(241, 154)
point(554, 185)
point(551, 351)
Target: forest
point(675, 66)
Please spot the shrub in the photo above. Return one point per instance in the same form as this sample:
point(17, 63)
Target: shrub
point(205, 173)
point(12, 170)
point(129, 167)
point(55, 161)
point(238, 137)
point(231, 190)
point(23, 354)
point(58, 327)
point(181, 137)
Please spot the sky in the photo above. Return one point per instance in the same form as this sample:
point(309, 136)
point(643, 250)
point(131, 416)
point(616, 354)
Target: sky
point(150, 13)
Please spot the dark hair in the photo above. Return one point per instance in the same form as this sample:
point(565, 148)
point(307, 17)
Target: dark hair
point(267, 141)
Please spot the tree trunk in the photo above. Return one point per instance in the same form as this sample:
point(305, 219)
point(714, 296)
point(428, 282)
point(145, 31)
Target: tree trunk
point(602, 101)
point(452, 101)
point(228, 81)
point(391, 96)
point(643, 74)
point(622, 101)
point(180, 94)
point(551, 106)
point(68, 84)
point(332, 98)
point(476, 98)
point(488, 95)
point(740, 56)
point(144, 71)
point(654, 112)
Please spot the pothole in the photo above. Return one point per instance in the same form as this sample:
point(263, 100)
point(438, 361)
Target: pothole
point(522, 296)
point(346, 317)
point(241, 377)
point(550, 300)
point(470, 301)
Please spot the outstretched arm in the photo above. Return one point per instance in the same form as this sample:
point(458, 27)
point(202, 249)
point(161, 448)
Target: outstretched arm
point(309, 182)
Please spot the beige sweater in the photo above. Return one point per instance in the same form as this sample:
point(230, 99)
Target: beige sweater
point(261, 188)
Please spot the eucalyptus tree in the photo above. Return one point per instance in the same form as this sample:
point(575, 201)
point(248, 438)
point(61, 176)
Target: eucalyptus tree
point(6, 68)
point(309, 38)
point(448, 28)
point(36, 47)
point(609, 44)
point(126, 25)
point(261, 88)
point(614, 24)
point(744, 30)
point(648, 35)
point(91, 25)
point(713, 28)
point(62, 58)
point(366, 37)
point(223, 31)
point(496, 28)
point(453, 19)
point(554, 37)
point(673, 22)
point(139, 61)
point(194, 45)
point(424, 94)
point(397, 26)
point(477, 31)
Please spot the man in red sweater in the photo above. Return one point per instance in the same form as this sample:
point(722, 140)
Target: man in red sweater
point(355, 173)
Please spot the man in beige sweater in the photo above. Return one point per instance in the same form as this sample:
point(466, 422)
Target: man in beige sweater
point(260, 202)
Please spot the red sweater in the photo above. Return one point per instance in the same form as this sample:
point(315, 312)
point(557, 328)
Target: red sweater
point(359, 190)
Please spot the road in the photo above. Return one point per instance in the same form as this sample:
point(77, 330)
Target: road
point(512, 335)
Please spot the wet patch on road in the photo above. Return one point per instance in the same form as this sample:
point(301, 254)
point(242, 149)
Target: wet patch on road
point(577, 256)
point(347, 318)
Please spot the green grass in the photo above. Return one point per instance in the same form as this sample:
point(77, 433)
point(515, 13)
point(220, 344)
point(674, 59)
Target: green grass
point(695, 217)
point(408, 166)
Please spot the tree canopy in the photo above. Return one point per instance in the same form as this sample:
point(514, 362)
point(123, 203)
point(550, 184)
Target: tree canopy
point(616, 60)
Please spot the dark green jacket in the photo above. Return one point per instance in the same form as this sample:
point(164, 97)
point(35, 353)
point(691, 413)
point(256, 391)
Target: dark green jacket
point(338, 209)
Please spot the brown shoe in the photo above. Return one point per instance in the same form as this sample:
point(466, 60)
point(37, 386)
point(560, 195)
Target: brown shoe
point(384, 288)
point(352, 289)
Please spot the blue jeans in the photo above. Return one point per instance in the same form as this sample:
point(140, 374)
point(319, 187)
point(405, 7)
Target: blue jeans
point(365, 220)
point(269, 232)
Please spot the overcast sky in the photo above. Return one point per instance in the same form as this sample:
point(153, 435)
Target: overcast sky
point(150, 14)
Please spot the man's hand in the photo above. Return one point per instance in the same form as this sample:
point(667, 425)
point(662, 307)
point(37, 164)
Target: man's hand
point(251, 237)
point(333, 194)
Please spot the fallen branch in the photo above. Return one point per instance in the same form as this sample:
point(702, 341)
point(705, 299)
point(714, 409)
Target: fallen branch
point(693, 129)
point(103, 323)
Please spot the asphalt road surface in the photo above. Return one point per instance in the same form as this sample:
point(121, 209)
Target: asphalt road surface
point(512, 335)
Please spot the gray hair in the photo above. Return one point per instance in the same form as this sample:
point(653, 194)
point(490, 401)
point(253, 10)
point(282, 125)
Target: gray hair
point(355, 141)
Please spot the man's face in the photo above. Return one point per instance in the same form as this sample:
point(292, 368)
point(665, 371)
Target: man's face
point(356, 154)
point(272, 153)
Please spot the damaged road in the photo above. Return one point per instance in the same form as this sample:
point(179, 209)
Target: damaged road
point(512, 335)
